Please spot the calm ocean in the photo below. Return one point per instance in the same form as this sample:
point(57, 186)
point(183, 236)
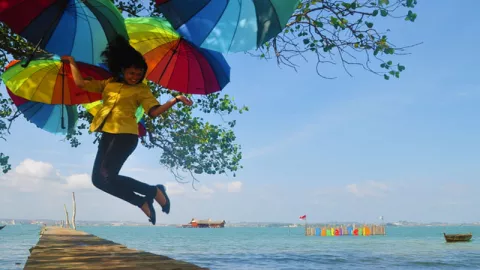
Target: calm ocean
point(274, 248)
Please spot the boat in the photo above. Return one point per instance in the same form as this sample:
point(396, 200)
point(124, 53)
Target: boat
point(2, 226)
point(457, 237)
point(194, 223)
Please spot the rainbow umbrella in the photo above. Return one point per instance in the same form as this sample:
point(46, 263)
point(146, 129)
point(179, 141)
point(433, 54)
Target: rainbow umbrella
point(175, 63)
point(81, 29)
point(94, 107)
point(228, 25)
point(48, 80)
point(47, 116)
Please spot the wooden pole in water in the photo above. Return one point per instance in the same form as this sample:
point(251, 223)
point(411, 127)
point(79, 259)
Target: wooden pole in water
point(306, 233)
point(74, 211)
point(67, 223)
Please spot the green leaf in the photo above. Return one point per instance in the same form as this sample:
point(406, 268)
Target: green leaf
point(383, 2)
point(389, 51)
point(411, 16)
point(384, 12)
point(4, 165)
point(318, 23)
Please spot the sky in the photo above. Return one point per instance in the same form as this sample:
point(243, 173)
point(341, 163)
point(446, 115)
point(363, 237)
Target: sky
point(347, 149)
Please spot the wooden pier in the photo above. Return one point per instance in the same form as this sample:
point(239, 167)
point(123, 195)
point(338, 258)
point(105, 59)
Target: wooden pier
point(60, 248)
point(341, 230)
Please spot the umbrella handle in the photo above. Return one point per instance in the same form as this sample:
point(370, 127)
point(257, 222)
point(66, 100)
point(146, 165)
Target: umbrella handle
point(63, 94)
point(30, 57)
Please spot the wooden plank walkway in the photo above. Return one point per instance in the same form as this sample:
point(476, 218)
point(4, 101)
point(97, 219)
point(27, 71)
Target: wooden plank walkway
point(60, 248)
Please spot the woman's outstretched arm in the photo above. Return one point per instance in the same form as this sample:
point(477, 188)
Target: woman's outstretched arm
point(96, 86)
point(158, 110)
point(77, 76)
point(151, 105)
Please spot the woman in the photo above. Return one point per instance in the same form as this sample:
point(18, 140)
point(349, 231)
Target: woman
point(122, 94)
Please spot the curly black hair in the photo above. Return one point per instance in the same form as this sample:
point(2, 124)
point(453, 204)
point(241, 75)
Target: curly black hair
point(120, 55)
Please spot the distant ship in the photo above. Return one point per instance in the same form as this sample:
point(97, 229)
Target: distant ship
point(204, 224)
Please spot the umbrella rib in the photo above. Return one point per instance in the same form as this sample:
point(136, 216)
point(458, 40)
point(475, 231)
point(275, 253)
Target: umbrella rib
point(222, 70)
point(275, 17)
point(149, 40)
point(85, 15)
point(203, 75)
point(91, 34)
point(108, 21)
point(189, 72)
point(41, 81)
point(174, 51)
point(30, 106)
point(219, 18)
point(195, 13)
point(236, 26)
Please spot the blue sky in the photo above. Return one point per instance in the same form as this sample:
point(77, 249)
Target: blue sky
point(353, 148)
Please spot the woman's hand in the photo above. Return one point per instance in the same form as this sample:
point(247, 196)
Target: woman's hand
point(184, 100)
point(77, 76)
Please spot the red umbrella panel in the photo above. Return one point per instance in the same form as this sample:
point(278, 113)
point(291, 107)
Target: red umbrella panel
point(175, 63)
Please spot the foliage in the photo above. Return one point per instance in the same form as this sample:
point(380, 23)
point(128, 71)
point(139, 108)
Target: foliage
point(342, 31)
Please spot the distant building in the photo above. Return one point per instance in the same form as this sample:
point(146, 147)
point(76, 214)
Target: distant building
point(194, 223)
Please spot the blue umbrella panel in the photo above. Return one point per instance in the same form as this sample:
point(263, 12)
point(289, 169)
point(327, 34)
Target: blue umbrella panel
point(47, 116)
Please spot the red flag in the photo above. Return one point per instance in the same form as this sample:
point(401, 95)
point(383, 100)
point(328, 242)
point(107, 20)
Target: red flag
point(303, 217)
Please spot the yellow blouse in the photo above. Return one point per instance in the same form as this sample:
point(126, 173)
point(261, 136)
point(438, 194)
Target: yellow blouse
point(120, 101)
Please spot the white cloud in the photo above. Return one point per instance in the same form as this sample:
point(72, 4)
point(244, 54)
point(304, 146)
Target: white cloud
point(368, 189)
point(234, 186)
point(78, 181)
point(205, 190)
point(174, 188)
point(33, 168)
point(220, 186)
point(178, 189)
point(35, 176)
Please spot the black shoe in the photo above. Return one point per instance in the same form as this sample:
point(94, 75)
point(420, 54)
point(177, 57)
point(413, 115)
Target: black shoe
point(166, 207)
point(153, 215)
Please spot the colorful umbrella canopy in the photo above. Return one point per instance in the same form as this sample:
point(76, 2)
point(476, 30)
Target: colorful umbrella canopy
point(228, 25)
point(81, 29)
point(174, 62)
point(48, 80)
point(94, 107)
point(47, 116)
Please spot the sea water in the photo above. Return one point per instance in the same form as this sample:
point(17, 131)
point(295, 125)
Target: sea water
point(274, 248)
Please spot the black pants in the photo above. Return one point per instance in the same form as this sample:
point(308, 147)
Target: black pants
point(113, 151)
